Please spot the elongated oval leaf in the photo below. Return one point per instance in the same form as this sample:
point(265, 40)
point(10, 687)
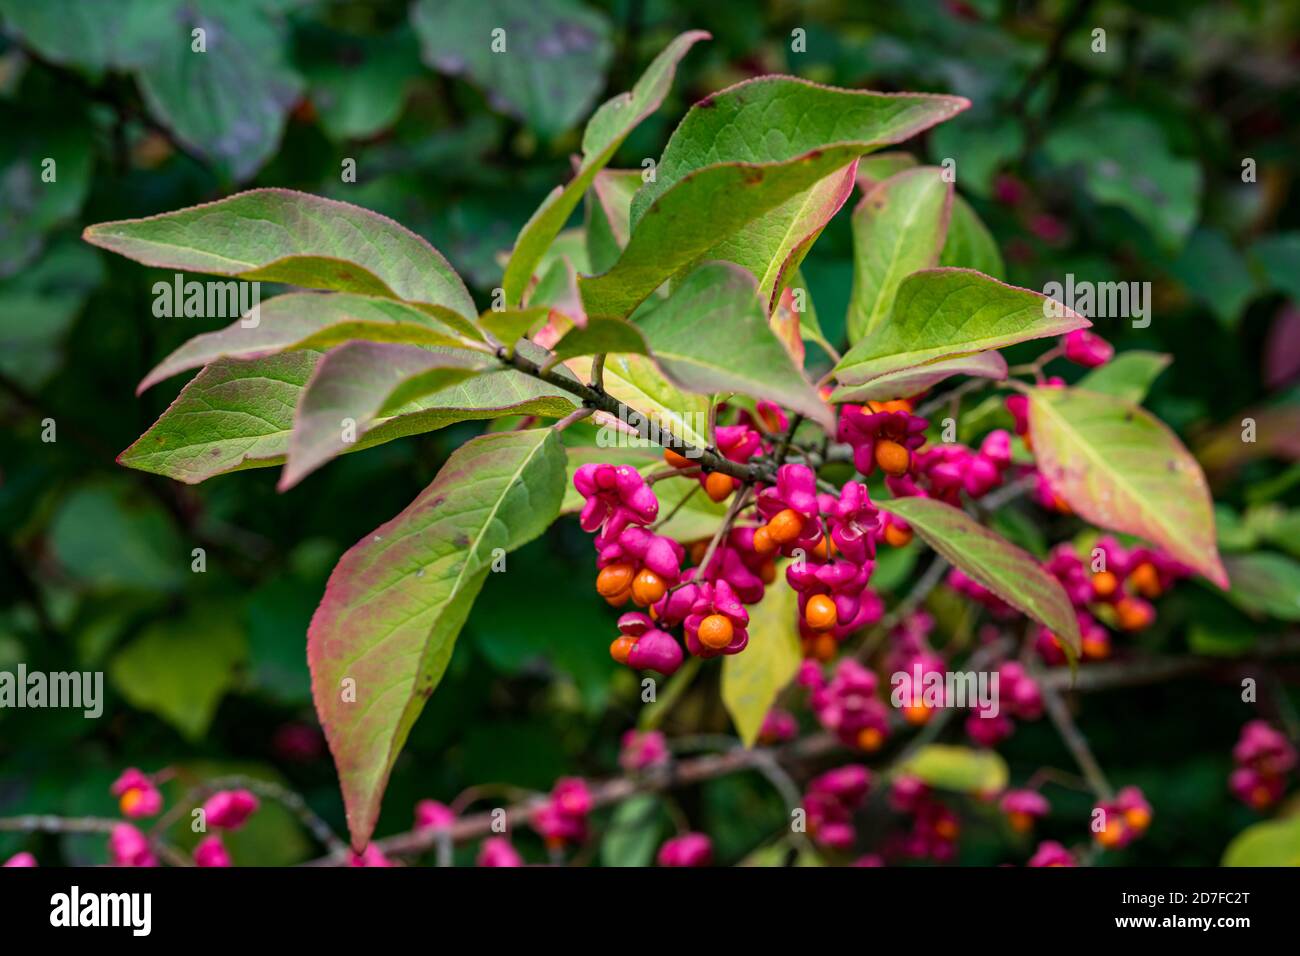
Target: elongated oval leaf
point(309, 320)
point(913, 381)
point(641, 388)
point(939, 313)
point(739, 155)
point(237, 415)
point(899, 228)
point(1271, 843)
point(752, 679)
point(970, 245)
point(962, 769)
point(357, 382)
point(600, 335)
point(279, 235)
point(1128, 375)
point(712, 335)
point(994, 562)
point(384, 631)
point(1119, 467)
point(605, 132)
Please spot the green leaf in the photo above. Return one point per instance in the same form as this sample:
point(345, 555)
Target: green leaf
point(353, 385)
point(104, 538)
point(712, 335)
point(39, 305)
point(913, 381)
point(1265, 583)
point(1216, 274)
point(600, 335)
point(1128, 375)
point(229, 102)
point(963, 769)
point(29, 205)
point(1278, 258)
point(872, 169)
point(752, 679)
point(1010, 573)
point(609, 215)
point(1119, 467)
point(180, 667)
point(1271, 843)
point(899, 227)
point(358, 84)
point(88, 34)
point(237, 415)
point(605, 133)
point(1162, 192)
point(550, 70)
point(641, 388)
point(941, 313)
point(633, 834)
point(508, 326)
point(311, 320)
point(970, 245)
point(739, 155)
point(278, 235)
point(397, 600)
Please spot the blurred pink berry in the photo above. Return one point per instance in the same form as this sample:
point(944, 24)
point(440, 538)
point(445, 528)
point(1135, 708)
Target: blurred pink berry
point(689, 849)
point(229, 809)
point(641, 750)
point(127, 846)
point(1051, 853)
point(21, 860)
point(136, 793)
point(371, 856)
point(211, 852)
point(1087, 348)
point(432, 815)
point(498, 851)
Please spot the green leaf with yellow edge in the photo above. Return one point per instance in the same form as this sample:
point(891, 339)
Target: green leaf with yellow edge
point(899, 228)
point(1119, 467)
point(508, 326)
point(941, 313)
point(752, 679)
point(1012, 574)
point(280, 235)
point(963, 769)
point(605, 132)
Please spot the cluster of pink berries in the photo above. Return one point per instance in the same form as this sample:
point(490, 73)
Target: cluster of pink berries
point(830, 802)
point(1020, 699)
point(847, 704)
point(1120, 821)
point(1118, 587)
point(934, 829)
point(138, 796)
point(1263, 758)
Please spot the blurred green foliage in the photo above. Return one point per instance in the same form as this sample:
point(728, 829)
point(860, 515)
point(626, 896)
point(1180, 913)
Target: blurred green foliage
point(1125, 164)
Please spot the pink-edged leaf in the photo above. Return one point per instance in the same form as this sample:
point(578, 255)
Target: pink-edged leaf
point(1119, 467)
point(942, 313)
point(280, 235)
point(354, 385)
point(383, 634)
point(1012, 574)
point(913, 381)
point(311, 320)
point(899, 228)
